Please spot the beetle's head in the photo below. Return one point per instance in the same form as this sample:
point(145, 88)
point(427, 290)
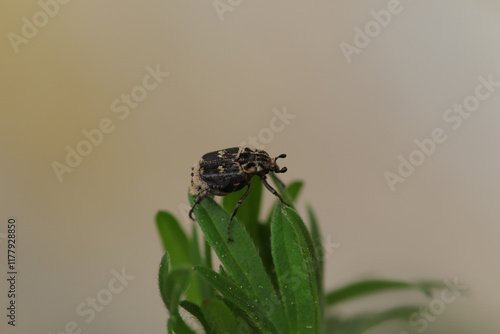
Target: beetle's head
point(276, 169)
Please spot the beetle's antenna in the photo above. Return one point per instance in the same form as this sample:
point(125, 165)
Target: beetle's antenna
point(281, 156)
point(282, 170)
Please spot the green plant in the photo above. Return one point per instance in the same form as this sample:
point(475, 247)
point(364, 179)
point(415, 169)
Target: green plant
point(271, 277)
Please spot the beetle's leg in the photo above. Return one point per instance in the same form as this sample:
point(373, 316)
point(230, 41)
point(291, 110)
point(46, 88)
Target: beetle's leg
point(236, 210)
point(272, 190)
point(197, 200)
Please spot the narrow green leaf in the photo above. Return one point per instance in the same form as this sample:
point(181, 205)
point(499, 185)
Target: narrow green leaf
point(195, 310)
point(208, 255)
point(224, 273)
point(307, 248)
point(196, 258)
point(318, 256)
point(401, 313)
point(177, 325)
point(198, 289)
point(361, 323)
point(368, 287)
point(182, 251)
point(290, 263)
point(173, 285)
point(245, 323)
point(173, 237)
point(219, 316)
point(162, 277)
point(264, 246)
point(238, 296)
point(240, 257)
point(294, 189)
point(304, 236)
point(171, 325)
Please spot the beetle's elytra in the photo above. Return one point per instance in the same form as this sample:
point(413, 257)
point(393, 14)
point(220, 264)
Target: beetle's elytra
point(225, 171)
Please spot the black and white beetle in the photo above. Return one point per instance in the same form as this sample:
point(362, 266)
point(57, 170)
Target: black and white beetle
point(225, 171)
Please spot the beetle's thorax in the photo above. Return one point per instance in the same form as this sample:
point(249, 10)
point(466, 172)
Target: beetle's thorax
point(257, 163)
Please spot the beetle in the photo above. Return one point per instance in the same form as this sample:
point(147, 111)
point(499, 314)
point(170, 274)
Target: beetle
point(225, 171)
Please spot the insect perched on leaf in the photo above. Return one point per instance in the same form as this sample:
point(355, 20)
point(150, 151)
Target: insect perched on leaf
point(225, 171)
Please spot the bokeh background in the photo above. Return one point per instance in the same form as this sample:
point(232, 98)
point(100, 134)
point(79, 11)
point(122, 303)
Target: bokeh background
point(350, 118)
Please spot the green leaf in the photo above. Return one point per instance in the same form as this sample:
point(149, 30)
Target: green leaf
point(245, 323)
point(199, 289)
point(361, 323)
point(174, 239)
point(219, 316)
point(238, 296)
point(172, 286)
point(177, 325)
point(182, 251)
point(264, 245)
point(224, 273)
point(307, 248)
point(195, 310)
point(368, 287)
point(294, 189)
point(195, 252)
point(240, 257)
point(318, 256)
point(248, 213)
point(291, 260)
point(162, 277)
point(171, 325)
point(208, 255)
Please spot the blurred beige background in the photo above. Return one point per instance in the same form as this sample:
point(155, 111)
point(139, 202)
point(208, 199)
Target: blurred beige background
point(228, 71)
